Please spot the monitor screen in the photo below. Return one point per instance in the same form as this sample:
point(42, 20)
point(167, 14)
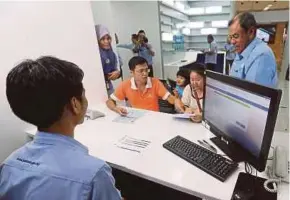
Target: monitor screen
point(263, 35)
point(239, 114)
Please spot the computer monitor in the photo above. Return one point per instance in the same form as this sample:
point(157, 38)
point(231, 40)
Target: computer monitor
point(242, 115)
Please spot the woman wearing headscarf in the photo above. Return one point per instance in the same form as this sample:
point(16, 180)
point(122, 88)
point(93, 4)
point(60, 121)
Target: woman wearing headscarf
point(108, 57)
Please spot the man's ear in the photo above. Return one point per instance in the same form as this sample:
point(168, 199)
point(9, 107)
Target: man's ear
point(252, 32)
point(76, 106)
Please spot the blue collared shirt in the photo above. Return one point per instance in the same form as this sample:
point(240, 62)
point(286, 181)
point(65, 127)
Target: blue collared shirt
point(229, 48)
point(256, 64)
point(144, 52)
point(56, 167)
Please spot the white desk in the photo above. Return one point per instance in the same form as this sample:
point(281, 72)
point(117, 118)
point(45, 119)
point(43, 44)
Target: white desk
point(156, 163)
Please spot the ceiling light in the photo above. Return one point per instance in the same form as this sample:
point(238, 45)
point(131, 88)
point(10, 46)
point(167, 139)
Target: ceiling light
point(220, 23)
point(186, 31)
point(167, 36)
point(213, 9)
point(267, 7)
point(194, 11)
point(195, 25)
point(206, 31)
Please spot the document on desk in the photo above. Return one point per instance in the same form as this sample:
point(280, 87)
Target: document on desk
point(132, 144)
point(131, 117)
point(183, 116)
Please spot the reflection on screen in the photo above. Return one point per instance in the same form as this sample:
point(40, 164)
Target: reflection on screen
point(239, 114)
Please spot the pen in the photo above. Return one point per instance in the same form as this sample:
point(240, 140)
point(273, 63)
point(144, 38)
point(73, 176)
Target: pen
point(214, 149)
point(204, 145)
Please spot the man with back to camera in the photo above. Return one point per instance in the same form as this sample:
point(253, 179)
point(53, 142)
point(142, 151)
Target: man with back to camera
point(141, 91)
point(254, 60)
point(48, 93)
point(210, 53)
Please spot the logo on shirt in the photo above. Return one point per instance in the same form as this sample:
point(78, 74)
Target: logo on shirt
point(107, 61)
point(28, 161)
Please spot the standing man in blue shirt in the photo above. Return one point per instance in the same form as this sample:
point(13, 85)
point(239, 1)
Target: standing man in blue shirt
point(210, 53)
point(255, 60)
point(230, 55)
point(48, 93)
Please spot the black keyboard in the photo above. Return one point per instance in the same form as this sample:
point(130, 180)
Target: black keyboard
point(212, 163)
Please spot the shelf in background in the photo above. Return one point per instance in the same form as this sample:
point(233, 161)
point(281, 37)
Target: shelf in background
point(172, 16)
point(172, 7)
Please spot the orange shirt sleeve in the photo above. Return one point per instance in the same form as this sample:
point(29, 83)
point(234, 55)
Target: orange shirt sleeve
point(161, 90)
point(119, 94)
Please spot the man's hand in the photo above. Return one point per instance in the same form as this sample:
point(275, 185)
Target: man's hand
point(175, 93)
point(114, 75)
point(121, 111)
point(179, 105)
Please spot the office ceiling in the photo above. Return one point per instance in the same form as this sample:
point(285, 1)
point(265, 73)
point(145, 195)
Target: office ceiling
point(251, 5)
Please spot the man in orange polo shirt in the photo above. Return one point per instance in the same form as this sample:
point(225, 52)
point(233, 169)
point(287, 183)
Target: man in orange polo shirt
point(141, 91)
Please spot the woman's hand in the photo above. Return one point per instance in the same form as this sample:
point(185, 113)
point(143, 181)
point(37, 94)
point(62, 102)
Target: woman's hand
point(197, 118)
point(114, 75)
point(175, 93)
point(189, 110)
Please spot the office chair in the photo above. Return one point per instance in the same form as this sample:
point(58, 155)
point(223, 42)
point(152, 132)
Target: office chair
point(164, 106)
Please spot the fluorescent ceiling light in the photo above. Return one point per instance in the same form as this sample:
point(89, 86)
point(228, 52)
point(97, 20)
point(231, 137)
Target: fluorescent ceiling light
point(267, 7)
point(180, 25)
point(220, 23)
point(213, 9)
point(168, 2)
point(167, 36)
point(195, 24)
point(179, 6)
point(206, 31)
point(194, 11)
point(186, 31)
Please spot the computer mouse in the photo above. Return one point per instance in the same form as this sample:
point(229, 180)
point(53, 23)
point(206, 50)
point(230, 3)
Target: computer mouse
point(241, 195)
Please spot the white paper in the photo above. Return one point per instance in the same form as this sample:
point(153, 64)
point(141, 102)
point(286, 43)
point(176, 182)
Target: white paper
point(183, 116)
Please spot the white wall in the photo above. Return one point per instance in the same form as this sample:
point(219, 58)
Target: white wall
point(29, 30)
point(131, 16)
point(272, 16)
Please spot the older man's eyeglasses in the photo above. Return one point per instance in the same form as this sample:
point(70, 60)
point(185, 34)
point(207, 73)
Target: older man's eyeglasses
point(234, 36)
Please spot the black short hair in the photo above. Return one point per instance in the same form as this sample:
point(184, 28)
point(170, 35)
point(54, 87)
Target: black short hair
point(38, 90)
point(199, 68)
point(210, 36)
point(141, 31)
point(246, 20)
point(134, 36)
point(136, 60)
point(185, 74)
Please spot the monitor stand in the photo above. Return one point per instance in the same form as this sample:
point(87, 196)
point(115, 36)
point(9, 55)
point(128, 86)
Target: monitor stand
point(231, 149)
point(249, 187)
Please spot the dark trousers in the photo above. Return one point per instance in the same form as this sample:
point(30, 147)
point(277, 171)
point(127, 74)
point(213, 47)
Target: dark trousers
point(151, 70)
point(228, 66)
point(210, 66)
point(136, 188)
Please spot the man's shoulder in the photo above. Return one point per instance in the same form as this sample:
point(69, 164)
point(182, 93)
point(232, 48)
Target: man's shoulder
point(262, 49)
point(66, 165)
